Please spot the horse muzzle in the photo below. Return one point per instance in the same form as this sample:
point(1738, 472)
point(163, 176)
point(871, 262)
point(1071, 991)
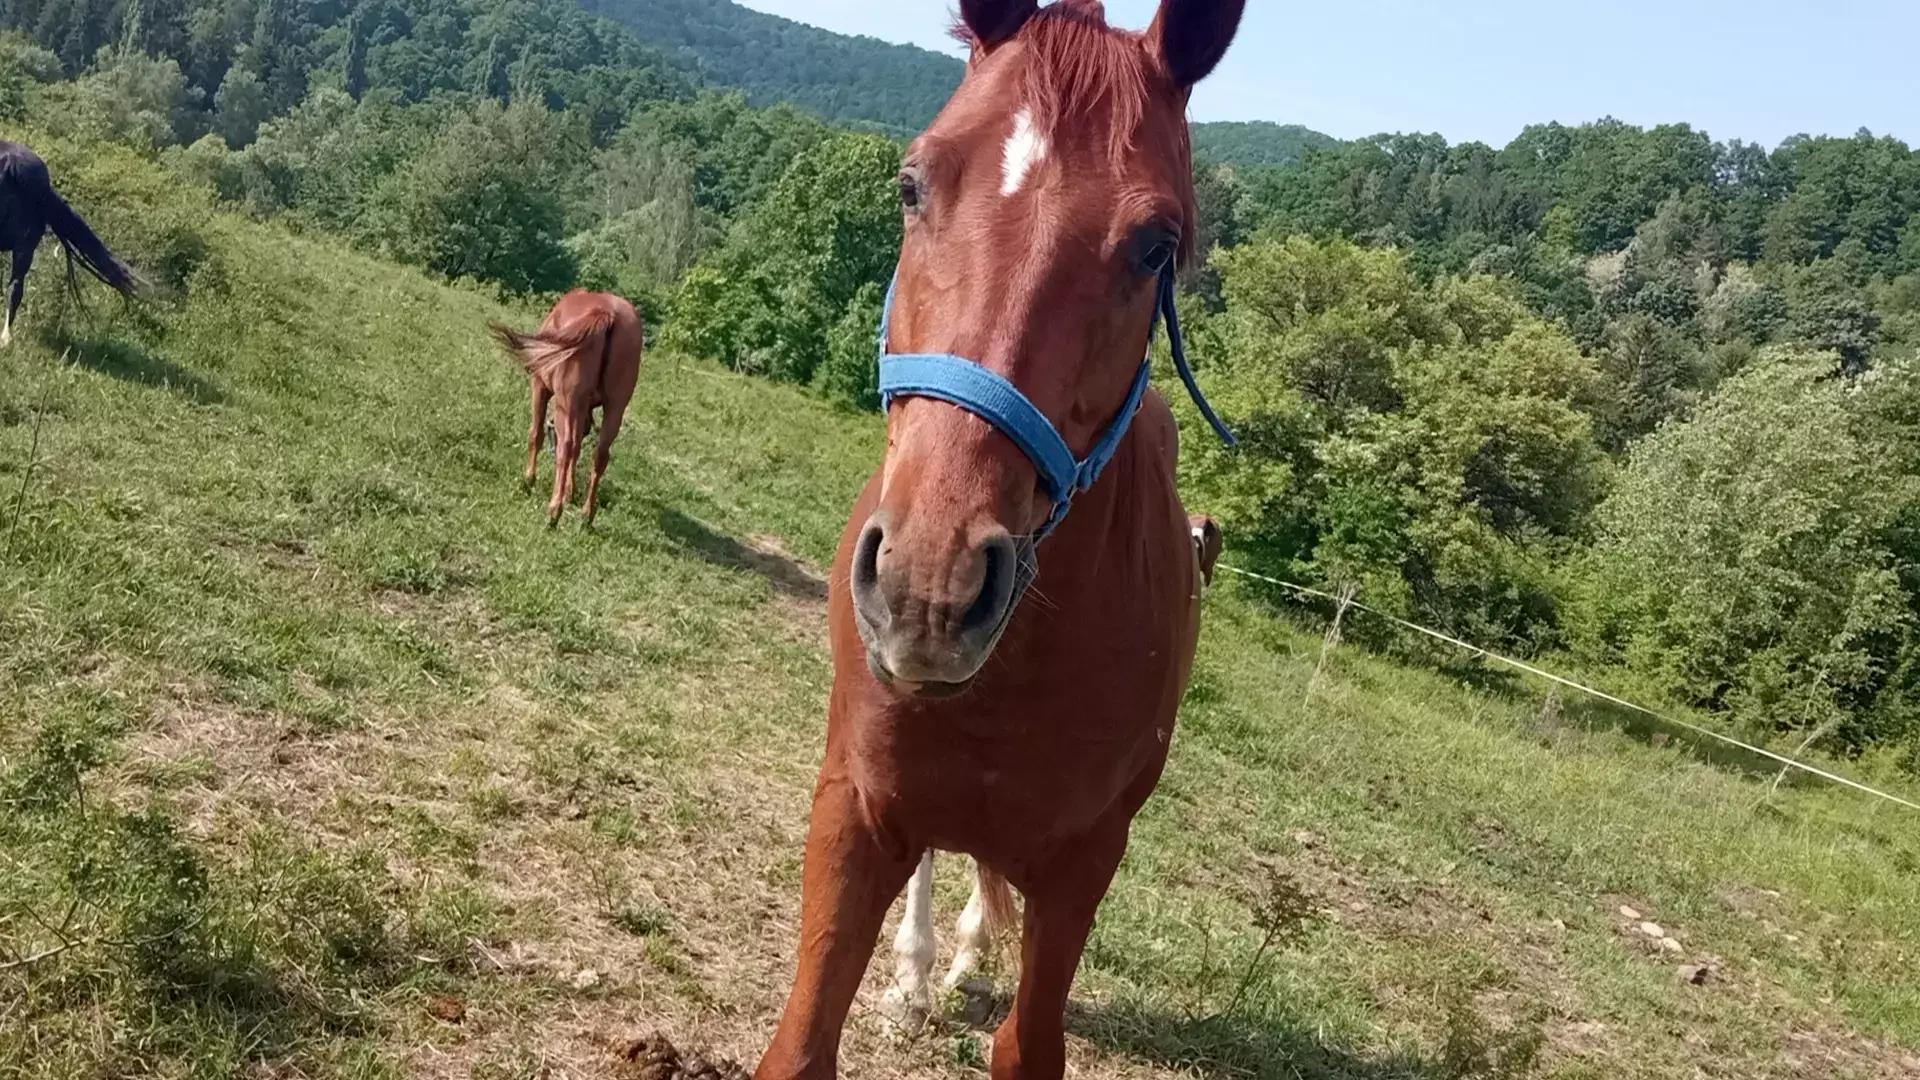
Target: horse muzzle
point(931, 614)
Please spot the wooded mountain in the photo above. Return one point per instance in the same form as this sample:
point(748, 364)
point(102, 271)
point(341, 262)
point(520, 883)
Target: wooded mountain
point(898, 88)
point(839, 77)
point(1257, 142)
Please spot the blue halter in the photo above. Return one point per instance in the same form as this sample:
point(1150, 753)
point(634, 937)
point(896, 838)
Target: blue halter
point(988, 395)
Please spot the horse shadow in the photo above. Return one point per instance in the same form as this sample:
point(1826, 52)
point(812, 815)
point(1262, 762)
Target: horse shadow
point(132, 362)
point(786, 574)
point(1229, 1047)
point(1594, 714)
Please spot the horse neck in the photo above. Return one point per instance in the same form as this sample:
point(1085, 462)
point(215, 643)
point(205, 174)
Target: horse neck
point(1096, 547)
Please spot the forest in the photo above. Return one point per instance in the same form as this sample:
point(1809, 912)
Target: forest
point(1633, 397)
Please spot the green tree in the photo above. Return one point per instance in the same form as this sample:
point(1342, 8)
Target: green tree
point(1826, 310)
point(487, 201)
point(240, 107)
point(787, 276)
point(130, 98)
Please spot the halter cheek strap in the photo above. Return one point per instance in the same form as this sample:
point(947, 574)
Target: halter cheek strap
point(990, 396)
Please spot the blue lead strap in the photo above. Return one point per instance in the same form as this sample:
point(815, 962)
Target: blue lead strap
point(1177, 345)
point(988, 395)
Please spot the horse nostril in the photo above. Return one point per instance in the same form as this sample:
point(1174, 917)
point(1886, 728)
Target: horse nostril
point(868, 598)
point(997, 581)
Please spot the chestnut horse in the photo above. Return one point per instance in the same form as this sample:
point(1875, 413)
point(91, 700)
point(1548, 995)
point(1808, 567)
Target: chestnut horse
point(990, 909)
point(1045, 209)
point(586, 355)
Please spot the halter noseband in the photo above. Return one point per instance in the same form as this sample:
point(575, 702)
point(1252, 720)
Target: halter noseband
point(990, 396)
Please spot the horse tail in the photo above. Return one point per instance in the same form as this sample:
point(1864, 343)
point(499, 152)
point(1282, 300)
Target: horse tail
point(547, 351)
point(1000, 910)
point(86, 249)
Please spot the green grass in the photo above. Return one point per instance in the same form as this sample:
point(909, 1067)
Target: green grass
point(308, 723)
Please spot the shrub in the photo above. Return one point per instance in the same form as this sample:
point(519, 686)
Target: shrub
point(850, 375)
point(1428, 442)
point(1744, 561)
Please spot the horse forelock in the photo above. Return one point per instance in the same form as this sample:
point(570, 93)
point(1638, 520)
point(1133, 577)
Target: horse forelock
point(1077, 64)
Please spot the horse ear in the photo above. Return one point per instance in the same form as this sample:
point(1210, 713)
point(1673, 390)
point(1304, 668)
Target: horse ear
point(1192, 36)
point(991, 22)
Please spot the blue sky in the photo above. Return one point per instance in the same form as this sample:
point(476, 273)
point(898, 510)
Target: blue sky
point(1759, 70)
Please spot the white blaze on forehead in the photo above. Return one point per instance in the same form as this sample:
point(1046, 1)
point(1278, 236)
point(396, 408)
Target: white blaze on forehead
point(1026, 147)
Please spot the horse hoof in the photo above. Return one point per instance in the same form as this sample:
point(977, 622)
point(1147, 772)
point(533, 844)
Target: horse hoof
point(911, 1014)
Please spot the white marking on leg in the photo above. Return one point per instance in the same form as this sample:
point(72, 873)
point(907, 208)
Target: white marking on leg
point(1026, 147)
point(974, 940)
point(910, 1000)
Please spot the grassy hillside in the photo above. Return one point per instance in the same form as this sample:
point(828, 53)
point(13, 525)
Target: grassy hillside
point(322, 757)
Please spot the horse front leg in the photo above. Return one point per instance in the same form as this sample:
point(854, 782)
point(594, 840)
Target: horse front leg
point(16, 291)
point(1031, 1044)
point(850, 880)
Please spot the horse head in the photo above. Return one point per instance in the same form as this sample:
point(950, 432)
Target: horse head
point(1045, 210)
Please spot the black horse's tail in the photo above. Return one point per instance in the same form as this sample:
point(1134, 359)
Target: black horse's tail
point(86, 249)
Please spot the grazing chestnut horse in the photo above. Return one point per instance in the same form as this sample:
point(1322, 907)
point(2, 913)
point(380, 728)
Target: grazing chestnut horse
point(1045, 209)
point(586, 356)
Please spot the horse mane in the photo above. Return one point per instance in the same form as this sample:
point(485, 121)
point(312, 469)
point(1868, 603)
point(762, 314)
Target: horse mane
point(1079, 63)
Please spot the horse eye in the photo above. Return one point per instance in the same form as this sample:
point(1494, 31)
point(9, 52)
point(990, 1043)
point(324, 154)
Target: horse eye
point(909, 191)
point(1159, 257)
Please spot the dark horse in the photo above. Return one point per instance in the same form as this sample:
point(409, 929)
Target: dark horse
point(28, 208)
point(1045, 211)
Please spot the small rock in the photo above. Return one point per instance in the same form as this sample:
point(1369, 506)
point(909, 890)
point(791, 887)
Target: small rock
point(1695, 974)
point(976, 1008)
point(447, 1008)
point(1560, 925)
point(1304, 838)
point(1652, 930)
point(1671, 945)
point(1629, 914)
point(1356, 907)
point(586, 979)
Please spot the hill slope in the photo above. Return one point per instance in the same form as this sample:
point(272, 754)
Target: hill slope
point(896, 87)
point(338, 763)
